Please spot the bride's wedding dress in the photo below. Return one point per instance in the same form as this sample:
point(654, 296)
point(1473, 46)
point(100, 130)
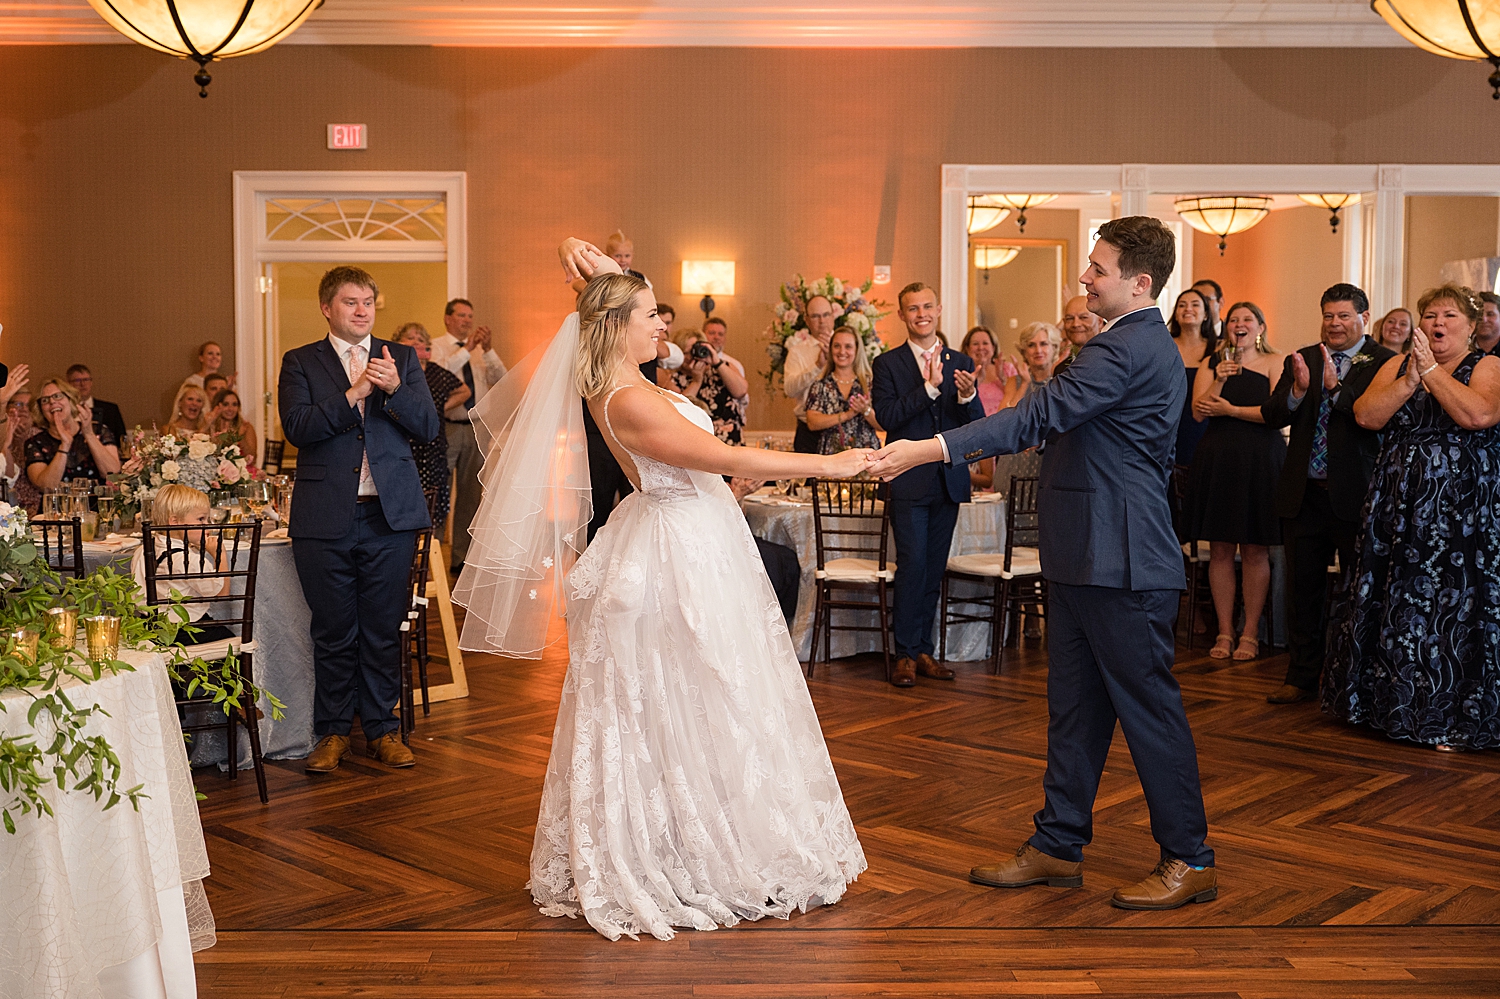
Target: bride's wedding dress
point(689, 784)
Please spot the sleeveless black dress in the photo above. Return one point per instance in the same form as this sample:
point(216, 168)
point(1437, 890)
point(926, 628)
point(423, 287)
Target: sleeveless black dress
point(1231, 488)
point(1416, 641)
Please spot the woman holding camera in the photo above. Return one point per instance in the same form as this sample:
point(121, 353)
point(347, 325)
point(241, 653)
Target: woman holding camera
point(713, 384)
point(1231, 484)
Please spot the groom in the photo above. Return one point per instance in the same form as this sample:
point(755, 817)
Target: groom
point(1114, 572)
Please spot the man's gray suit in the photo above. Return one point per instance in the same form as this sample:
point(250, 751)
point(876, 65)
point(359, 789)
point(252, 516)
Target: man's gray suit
point(1114, 572)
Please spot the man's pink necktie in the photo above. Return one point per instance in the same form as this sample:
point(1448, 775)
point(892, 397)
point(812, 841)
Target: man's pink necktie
point(357, 368)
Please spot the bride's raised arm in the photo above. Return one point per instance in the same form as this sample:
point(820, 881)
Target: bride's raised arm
point(645, 422)
point(582, 260)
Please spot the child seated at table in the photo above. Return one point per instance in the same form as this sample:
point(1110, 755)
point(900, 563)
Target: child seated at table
point(177, 504)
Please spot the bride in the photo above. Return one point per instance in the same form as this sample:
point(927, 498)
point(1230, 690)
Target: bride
point(689, 784)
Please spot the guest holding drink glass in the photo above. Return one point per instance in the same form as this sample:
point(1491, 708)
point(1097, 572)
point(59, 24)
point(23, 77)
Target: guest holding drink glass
point(838, 404)
point(1231, 484)
point(229, 426)
point(65, 447)
point(1394, 330)
point(1416, 641)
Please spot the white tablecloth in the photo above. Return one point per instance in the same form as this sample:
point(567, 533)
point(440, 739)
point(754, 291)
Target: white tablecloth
point(981, 528)
point(108, 903)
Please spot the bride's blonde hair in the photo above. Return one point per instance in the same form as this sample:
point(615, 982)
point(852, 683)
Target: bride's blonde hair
point(603, 313)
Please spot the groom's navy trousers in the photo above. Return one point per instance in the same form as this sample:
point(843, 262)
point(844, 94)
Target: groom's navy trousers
point(1114, 575)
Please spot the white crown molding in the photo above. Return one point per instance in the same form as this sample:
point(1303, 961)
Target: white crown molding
point(782, 23)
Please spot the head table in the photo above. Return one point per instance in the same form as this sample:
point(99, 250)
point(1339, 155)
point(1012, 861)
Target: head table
point(284, 663)
point(789, 522)
point(108, 903)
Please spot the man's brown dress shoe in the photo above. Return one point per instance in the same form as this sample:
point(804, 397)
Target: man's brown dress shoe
point(390, 750)
point(1288, 694)
point(326, 754)
point(905, 673)
point(1173, 883)
point(1029, 866)
point(928, 666)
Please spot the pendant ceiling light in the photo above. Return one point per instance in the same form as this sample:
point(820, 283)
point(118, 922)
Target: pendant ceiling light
point(1021, 202)
point(1223, 215)
point(1458, 29)
point(1332, 202)
point(989, 257)
point(985, 212)
point(205, 30)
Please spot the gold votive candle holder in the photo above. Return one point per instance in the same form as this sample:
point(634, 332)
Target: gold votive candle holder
point(25, 640)
point(102, 633)
point(62, 627)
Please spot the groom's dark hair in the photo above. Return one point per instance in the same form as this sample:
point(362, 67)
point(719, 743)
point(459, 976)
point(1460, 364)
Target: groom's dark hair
point(1146, 246)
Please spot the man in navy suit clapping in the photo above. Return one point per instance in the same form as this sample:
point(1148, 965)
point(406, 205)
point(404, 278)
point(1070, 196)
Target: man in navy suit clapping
point(1114, 574)
point(918, 390)
point(352, 405)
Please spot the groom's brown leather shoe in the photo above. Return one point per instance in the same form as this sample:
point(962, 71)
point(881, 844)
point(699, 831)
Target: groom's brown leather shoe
point(1289, 694)
point(390, 750)
point(1029, 866)
point(930, 667)
point(1173, 883)
point(326, 754)
point(905, 673)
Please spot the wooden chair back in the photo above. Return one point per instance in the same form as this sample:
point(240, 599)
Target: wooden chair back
point(61, 542)
point(850, 520)
point(240, 541)
point(270, 462)
point(1022, 520)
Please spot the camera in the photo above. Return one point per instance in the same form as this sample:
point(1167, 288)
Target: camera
point(702, 352)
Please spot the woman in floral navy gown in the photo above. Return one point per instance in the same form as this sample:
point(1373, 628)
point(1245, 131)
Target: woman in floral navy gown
point(1416, 649)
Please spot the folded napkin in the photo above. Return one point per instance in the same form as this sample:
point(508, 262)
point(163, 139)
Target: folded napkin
point(112, 543)
point(987, 498)
point(278, 534)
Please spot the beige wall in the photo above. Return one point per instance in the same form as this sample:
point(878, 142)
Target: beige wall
point(115, 178)
point(1442, 229)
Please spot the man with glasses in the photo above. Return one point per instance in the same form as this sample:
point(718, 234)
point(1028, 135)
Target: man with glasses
point(106, 413)
point(806, 357)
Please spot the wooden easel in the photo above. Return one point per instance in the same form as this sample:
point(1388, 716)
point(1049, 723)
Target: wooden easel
point(439, 597)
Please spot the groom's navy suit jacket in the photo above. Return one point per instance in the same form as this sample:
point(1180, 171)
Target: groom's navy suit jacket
point(1110, 425)
point(899, 394)
point(330, 439)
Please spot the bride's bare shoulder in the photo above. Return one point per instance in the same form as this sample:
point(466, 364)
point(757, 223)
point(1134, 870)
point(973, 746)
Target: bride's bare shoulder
point(634, 405)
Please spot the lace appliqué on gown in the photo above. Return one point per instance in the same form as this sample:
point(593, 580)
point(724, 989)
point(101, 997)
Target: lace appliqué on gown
point(689, 783)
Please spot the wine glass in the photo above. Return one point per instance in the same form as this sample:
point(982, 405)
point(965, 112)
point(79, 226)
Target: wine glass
point(254, 498)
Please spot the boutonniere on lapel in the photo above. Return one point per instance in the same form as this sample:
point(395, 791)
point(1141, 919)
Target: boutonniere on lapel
point(1360, 358)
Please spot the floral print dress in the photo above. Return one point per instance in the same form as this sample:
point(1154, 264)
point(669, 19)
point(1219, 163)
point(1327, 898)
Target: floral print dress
point(824, 397)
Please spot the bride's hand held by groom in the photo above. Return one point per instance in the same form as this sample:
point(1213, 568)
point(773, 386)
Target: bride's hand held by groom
point(903, 455)
point(846, 464)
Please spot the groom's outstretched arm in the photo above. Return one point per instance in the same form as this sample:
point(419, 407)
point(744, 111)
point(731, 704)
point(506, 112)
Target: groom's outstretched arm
point(1094, 383)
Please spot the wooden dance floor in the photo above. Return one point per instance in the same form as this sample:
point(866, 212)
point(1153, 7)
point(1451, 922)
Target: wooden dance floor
point(1350, 865)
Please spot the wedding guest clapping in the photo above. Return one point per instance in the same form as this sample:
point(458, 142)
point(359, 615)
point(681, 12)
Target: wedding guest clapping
point(18, 419)
point(107, 413)
point(980, 345)
point(806, 361)
point(1394, 330)
point(1416, 645)
point(66, 446)
point(1231, 484)
point(838, 404)
point(1039, 344)
point(229, 426)
point(448, 398)
point(1326, 474)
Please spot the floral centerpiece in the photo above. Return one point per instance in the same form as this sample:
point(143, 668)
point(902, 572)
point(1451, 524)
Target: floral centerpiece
point(203, 462)
point(852, 311)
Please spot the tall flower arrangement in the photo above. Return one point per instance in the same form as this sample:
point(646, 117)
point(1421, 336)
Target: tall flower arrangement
point(852, 311)
point(203, 462)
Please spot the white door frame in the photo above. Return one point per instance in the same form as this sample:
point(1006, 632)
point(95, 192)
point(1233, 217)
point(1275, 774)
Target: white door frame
point(252, 250)
point(1377, 262)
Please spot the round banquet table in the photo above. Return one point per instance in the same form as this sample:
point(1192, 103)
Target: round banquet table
point(108, 903)
point(981, 528)
point(283, 663)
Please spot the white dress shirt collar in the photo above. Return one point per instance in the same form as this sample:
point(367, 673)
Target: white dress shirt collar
point(344, 346)
point(937, 344)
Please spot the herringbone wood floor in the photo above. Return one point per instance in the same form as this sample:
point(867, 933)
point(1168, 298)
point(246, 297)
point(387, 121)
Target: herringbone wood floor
point(1349, 865)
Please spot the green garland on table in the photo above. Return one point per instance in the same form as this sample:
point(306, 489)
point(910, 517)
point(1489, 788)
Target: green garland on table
point(71, 759)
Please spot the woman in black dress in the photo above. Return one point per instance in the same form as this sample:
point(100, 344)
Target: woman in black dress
point(1195, 339)
point(1230, 497)
point(1416, 641)
point(68, 443)
point(449, 395)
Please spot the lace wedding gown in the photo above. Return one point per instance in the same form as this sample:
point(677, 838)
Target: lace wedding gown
point(689, 784)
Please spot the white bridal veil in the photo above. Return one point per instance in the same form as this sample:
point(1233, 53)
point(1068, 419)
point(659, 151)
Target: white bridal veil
point(532, 522)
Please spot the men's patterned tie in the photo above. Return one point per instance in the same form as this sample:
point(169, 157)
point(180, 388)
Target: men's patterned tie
point(357, 368)
point(1317, 464)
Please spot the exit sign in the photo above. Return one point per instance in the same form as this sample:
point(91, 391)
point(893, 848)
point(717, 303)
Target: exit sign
point(348, 137)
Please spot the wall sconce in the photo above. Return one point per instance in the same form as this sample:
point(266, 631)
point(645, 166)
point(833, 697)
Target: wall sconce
point(707, 278)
